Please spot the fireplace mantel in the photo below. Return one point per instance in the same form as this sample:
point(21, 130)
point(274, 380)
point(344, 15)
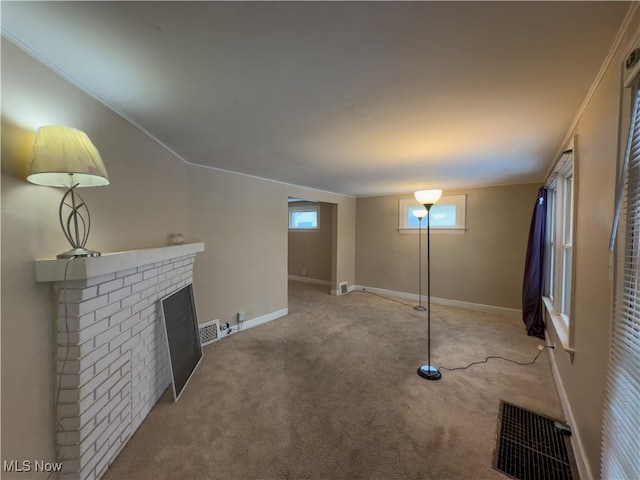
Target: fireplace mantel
point(52, 270)
point(112, 359)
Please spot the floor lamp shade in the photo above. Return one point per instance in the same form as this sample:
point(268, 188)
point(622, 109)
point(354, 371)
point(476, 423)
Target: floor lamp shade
point(65, 157)
point(428, 197)
point(420, 213)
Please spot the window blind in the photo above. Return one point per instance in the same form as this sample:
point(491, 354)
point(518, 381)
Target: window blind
point(621, 420)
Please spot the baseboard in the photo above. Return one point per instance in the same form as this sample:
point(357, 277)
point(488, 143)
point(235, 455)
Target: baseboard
point(508, 312)
point(254, 322)
point(310, 280)
point(584, 470)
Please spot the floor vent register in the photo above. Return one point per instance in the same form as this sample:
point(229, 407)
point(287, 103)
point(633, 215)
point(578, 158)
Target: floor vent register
point(530, 446)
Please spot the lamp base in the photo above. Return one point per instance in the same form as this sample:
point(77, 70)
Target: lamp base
point(429, 372)
point(78, 252)
point(420, 308)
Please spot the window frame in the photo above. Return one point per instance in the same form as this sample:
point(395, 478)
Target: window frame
point(460, 202)
point(560, 244)
point(304, 208)
point(550, 250)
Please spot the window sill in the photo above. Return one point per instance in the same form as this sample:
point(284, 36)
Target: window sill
point(446, 231)
point(560, 325)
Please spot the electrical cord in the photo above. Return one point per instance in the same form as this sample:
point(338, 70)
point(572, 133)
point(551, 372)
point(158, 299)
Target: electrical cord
point(67, 347)
point(486, 360)
point(65, 360)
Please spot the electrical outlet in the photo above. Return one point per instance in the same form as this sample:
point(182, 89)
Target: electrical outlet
point(241, 316)
point(304, 272)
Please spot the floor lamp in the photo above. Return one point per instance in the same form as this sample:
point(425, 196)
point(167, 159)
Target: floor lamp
point(428, 198)
point(419, 214)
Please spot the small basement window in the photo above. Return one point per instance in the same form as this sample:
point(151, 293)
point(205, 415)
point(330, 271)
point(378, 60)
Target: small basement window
point(304, 217)
point(447, 216)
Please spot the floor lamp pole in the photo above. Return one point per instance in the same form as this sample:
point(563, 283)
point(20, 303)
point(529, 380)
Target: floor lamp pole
point(419, 307)
point(428, 371)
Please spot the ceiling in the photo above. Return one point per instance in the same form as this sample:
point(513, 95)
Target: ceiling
point(359, 98)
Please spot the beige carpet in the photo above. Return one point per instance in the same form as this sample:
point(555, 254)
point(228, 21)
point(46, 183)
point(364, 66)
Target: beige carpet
point(331, 392)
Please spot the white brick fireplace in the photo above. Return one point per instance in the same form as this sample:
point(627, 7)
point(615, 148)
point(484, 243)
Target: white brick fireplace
point(109, 331)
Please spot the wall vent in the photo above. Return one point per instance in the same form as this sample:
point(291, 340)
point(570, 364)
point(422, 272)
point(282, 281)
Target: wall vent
point(344, 288)
point(632, 67)
point(209, 332)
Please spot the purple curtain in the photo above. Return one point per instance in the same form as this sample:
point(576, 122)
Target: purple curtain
point(533, 284)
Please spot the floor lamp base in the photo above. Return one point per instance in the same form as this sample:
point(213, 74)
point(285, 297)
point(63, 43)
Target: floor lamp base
point(429, 372)
point(420, 308)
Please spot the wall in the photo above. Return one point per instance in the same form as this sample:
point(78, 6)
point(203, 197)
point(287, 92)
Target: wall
point(582, 376)
point(244, 267)
point(242, 220)
point(136, 210)
point(310, 252)
point(485, 265)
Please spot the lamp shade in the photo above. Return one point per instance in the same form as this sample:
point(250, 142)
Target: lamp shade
point(420, 213)
point(428, 197)
point(59, 152)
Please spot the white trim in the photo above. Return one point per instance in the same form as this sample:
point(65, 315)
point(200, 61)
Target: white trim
point(53, 270)
point(560, 325)
point(433, 230)
point(254, 322)
point(508, 312)
point(307, 207)
point(317, 281)
point(562, 183)
point(333, 292)
point(584, 470)
point(459, 201)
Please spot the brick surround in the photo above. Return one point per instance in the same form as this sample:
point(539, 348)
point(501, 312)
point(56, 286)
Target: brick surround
point(112, 360)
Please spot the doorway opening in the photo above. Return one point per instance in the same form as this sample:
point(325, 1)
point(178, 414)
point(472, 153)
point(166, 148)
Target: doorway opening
point(311, 242)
